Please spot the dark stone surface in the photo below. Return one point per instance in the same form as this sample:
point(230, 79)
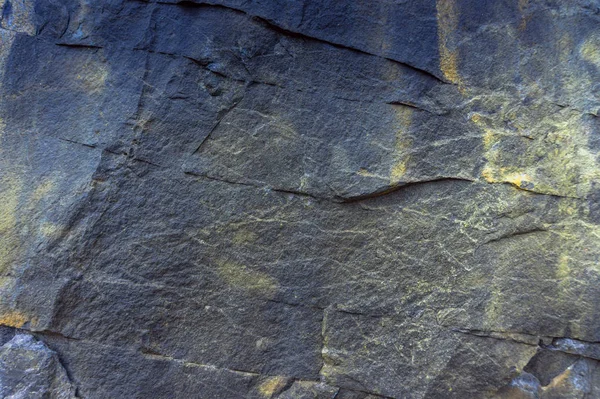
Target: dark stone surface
point(28, 369)
point(301, 199)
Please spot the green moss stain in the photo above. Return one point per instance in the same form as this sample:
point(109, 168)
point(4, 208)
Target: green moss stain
point(92, 76)
point(563, 269)
point(447, 22)
point(20, 210)
point(42, 190)
point(244, 237)
point(402, 145)
point(10, 192)
point(240, 276)
point(590, 50)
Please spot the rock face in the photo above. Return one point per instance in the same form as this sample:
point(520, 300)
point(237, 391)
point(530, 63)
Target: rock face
point(29, 370)
point(300, 199)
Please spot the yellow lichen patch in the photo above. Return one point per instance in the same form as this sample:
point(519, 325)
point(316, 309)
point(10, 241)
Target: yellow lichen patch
point(365, 173)
point(92, 76)
point(489, 175)
point(550, 156)
point(505, 175)
point(50, 230)
point(559, 381)
point(404, 116)
point(590, 50)
point(240, 276)
point(42, 190)
point(244, 237)
point(516, 179)
point(490, 137)
point(447, 22)
point(13, 319)
point(562, 268)
point(449, 65)
point(568, 207)
point(10, 192)
point(398, 170)
point(403, 143)
point(303, 182)
point(539, 146)
point(477, 118)
point(271, 386)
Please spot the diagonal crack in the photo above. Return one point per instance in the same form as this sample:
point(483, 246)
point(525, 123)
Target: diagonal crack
point(410, 105)
point(76, 142)
point(216, 125)
point(273, 26)
point(517, 234)
point(268, 23)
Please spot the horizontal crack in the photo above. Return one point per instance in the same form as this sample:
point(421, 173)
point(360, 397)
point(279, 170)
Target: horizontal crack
point(158, 356)
point(265, 187)
point(392, 189)
point(340, 199)
point(79, 45)
point(500, 335)
point(55, 334)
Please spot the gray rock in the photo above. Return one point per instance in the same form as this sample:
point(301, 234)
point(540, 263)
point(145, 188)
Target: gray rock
point(275, 199)
point(29, 370)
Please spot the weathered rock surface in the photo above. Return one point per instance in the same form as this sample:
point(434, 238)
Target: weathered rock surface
point(29, 370)
point(300, 199)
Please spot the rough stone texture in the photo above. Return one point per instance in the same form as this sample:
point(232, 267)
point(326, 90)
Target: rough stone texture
point(300, 199)
point(29, 370)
